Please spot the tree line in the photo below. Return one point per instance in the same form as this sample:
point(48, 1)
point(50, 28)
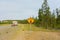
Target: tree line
point(46, 18)
point(11, 21)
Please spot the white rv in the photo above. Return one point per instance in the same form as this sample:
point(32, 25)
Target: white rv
point(14, 23)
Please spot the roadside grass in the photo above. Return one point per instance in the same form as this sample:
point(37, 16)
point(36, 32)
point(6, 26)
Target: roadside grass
point(26, 27)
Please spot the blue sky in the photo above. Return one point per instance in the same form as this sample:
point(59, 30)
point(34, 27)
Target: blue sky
point(22, 9)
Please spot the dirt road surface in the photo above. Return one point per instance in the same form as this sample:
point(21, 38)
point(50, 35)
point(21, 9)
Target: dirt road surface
point(17, 33)
point(37, 35)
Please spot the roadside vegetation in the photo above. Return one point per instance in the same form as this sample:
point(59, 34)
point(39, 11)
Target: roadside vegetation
point(46, 18)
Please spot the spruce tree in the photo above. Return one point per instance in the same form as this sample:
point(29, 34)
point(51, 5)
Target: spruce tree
point(46, 12)
point(40, 17)
point(57, 11)
point(53, 20)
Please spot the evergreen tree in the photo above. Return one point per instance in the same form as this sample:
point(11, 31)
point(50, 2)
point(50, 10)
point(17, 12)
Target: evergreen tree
point(40, 17)
point(45, 6)
point(53, 20)
point(46, 12)
point(37, 23)
point(57, 11)
point(58, 17)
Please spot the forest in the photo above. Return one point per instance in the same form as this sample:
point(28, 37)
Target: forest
point(46, 18)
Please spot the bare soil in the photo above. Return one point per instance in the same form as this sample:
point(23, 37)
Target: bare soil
point(38, 35)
